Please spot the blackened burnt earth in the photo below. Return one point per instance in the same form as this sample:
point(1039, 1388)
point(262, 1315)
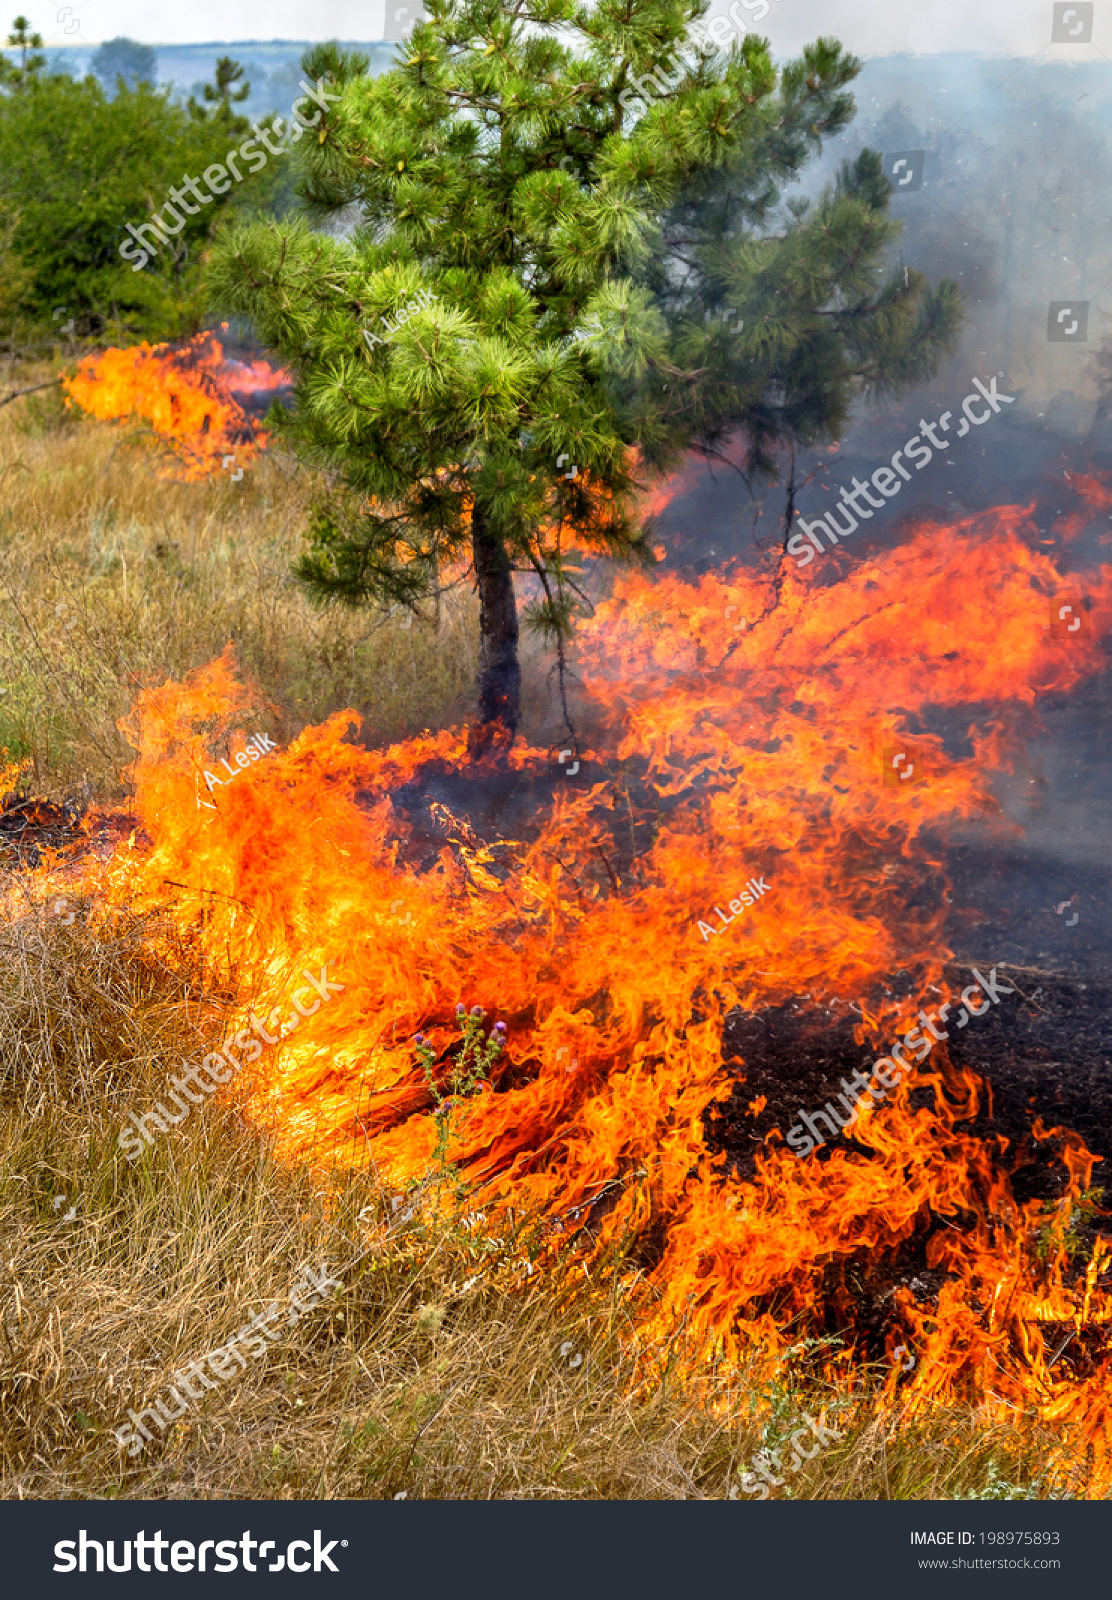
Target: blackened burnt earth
point(1044, 1052)
point(30, 829)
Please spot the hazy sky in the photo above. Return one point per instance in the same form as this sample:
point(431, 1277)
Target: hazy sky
point(869, 27)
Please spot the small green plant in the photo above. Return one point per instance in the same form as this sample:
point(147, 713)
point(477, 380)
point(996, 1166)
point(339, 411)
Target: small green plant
point(42, 415)
point(14, 744)
point(1065, 1228)
point(468, 1067)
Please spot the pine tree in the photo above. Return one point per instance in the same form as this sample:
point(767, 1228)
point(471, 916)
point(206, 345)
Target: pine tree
point(31, 62)
point(219, 97)
point(567, 273)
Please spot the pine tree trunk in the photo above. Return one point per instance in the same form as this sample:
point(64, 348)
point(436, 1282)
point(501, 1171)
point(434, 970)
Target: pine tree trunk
point(499, 668)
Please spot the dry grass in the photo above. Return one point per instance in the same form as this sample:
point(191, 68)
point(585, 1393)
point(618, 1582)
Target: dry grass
point(113, 577)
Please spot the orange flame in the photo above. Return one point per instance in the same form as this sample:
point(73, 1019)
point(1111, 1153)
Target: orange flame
point(730, 755)
point(187, 396)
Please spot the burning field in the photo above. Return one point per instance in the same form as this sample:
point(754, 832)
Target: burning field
point(657, 1036)
point(196, 403)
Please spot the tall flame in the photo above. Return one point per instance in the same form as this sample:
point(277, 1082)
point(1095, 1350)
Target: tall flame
point(728, 752)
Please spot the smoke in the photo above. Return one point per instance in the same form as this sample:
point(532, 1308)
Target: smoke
point(871, 28)
point(1012, 203)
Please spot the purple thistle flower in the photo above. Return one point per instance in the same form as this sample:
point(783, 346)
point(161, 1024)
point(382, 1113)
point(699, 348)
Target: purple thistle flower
point(476, 1011)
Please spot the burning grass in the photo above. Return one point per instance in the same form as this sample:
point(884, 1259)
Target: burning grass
point(187, 396)
point(714, 1299)
point(442, 1369)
